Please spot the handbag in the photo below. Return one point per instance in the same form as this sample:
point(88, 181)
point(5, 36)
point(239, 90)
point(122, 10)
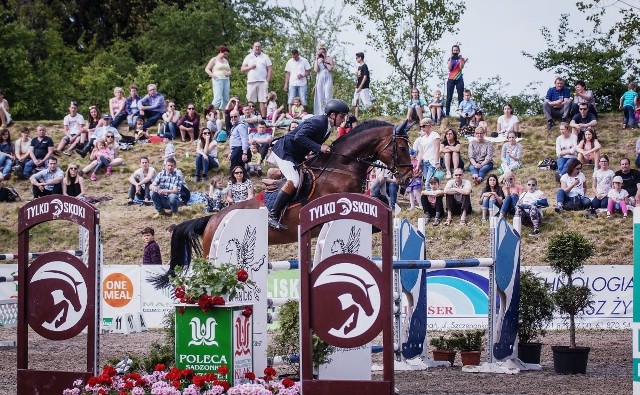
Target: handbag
point(548, 164)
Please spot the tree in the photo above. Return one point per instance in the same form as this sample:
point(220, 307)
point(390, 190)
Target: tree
point(490, 97)
point(408, 31)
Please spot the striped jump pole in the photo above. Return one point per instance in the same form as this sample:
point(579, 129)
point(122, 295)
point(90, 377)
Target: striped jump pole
point(636, 302)
point(8, 279)
point(292, 264)
point(34, 255)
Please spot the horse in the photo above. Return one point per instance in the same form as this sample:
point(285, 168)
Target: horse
point(343, 169)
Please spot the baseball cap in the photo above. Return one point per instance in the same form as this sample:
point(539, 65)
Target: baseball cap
point(106, 116)
point(617, 179)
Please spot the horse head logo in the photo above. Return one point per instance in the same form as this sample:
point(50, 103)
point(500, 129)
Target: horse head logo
point(57, 207)
point(346, 206)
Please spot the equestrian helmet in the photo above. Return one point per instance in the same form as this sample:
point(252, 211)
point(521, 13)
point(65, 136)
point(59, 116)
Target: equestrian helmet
point(337, 106)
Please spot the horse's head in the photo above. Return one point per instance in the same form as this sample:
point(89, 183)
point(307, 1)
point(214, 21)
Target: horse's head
point(394, 152)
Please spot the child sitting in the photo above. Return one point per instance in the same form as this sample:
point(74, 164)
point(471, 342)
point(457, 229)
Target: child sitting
point(273, 111)
point(432, 202)
point(435, 107)
point(217, 194)
point(254, 165)
point(297, 109)
point(466, 109)
point(141, 133)
point(169, 149)
point(415, 185)
point(617, 198)
point(102, 155)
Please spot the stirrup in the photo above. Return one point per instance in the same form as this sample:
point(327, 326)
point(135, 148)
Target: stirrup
point(274, 223)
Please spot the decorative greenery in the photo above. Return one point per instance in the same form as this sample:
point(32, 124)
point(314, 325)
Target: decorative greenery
point(206, 282)
point(566, 254)
point(286, 340)
point(536, 306)
point(442, 343)
point(468, 340)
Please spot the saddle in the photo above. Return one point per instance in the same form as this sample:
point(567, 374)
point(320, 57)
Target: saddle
point(305, 190)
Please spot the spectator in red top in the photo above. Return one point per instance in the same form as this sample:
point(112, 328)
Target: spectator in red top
point(190, 123)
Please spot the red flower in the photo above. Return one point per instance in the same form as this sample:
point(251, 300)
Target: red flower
point(243, 276)
point(224, 384)
point(159, 367)
point(109, 370)
point(179, 292)
point(174, 374)
point(288, 383)
point(270, 371)
point(247, 311)
point(250, 375)
point(187, 374)
point(210, 377)
point(181, 309)
point(268, 377)
point(176, 384)
point(141, 382)
point(128, 385)
point(223, 370)
point(122, 393)
point(93, 381)
point(218, 301)
point(199, 381)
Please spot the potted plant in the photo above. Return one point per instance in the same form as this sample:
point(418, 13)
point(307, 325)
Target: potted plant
point(469, 343)
point(535, 312)
point(566, 254)
point(444, 349)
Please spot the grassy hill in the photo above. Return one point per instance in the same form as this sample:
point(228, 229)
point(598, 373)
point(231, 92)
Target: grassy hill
point(121, 223)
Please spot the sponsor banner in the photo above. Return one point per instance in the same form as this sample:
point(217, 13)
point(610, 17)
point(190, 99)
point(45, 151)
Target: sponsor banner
point(8, 290)
point(156, 303)
point(119, 292)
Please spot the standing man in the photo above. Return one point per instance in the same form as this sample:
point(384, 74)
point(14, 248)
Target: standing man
point(257, 66)
point(297, 71)
point(292, 149)
point(41, 149)
point(238, 141)
point(47, 181)
point(362, 96)
point(557, 103)
point(166, 189)
point(153, 106)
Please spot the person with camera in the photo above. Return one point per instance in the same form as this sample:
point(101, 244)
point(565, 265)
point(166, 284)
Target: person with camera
point(323, 90)
point(293, 148)
point(350, 123)
point(455, 64)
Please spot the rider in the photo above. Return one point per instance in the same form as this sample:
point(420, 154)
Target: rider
point(292, 149)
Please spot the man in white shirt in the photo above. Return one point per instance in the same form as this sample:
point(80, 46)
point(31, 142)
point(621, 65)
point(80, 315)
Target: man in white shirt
point(257, 66)
point(458, 197)
point(73, 128)
point(295, 80)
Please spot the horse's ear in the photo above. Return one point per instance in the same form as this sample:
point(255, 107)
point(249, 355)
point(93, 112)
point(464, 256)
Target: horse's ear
point(402, 129)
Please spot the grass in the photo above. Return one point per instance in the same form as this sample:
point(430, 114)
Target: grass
point(121, 224)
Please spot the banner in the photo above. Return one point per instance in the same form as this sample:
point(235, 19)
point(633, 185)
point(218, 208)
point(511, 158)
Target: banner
point(119, 292)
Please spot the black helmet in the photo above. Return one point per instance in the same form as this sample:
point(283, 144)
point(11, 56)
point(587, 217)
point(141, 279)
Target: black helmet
point(337, 106)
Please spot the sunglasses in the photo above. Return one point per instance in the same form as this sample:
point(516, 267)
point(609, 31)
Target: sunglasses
point(458, 175)
point(73, 168)
point(237, 172)
point(532, 185)
point(109, 137)
point(425, 126)
point(190, 108)
point(604, 161)
point(205, 133)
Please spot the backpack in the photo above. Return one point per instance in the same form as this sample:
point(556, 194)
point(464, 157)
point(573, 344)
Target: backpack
point(548, 164)
point(185, 194)
point(9, 195)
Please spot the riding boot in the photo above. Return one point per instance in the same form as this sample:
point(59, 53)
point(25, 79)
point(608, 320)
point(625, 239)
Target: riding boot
point(283, 197)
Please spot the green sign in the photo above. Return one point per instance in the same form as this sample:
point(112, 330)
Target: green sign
point(220, 337)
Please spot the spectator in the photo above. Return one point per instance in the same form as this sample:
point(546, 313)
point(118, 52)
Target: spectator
point(206, 154)
point(450, 148)
point(169, 148)
point(152, 106)
point(90, 125)
point(239, 187)
point(323, 66)
point(140, 181)
point(47, 181)
point(255, 165)
point(628, 102)
point(214, 124)
point(582, 121)
point(140, 133)
point(455, 64)
point(566, 145)
point(508, 122)
point(233, 105)
point(151, 254)
point(5, 117)
point(297, 110)
point(250, 116)
point(458, 197)
point(217, 195)
point(7, 157)
point(570, 195)
point(22, 149)
point(40, 151)
point(512, 191)
point(170, 118)
point(630, 181)
point(476, 120)
point(435, 107)
point(617, 198)
point(378, 184)
point(467, 109)
point(583, 96)
point(511, 154)
point(220, 72)
point(415, 106)
point(101, 157)
point(190, 123)
point(529, 204)
point(428, 145)
point(257, 66)
point(297, 71)
point(431, 200)
point(362, 96)
point(73, 183)
point(165, 189)
point(492, 195)
point(415, 184)
point(73, 125)
point(273, 110)
point(602, 182)
point(480, 156)
point(117, 107)
point(588, 148)
point(263, 138)
point(238, 142)
point(100, 132)
point(131, 105)
point(556, 103)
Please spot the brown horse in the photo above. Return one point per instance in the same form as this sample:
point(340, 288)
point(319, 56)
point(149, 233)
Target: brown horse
point(344, 169)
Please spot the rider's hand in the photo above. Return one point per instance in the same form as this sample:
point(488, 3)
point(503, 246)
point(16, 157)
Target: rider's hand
point(325, 148)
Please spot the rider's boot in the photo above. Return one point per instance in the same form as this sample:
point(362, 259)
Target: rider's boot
point(284, 194)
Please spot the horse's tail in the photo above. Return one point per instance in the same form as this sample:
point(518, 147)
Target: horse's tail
point(185, 241)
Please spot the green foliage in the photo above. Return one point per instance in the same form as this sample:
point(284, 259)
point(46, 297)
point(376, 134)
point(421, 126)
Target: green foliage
point(567, 252)
point(209, 278)
point(467, 340)
point(489, 96)
point(442, 343)
point(572, 299)
point(536, 306)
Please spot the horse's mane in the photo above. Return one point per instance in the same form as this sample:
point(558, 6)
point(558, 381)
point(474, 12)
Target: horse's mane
point(355, 132)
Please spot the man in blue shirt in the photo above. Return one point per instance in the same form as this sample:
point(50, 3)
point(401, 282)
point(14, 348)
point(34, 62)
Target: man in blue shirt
point(165, 189)
point(557, 103)
point(48, 181)
point(153, 105)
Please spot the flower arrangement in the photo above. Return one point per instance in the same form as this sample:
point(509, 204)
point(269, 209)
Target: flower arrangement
point(206, 282)
point(180, 382)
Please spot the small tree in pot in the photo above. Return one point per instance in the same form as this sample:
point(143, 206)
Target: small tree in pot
point(444, 349)
point(566, 254)
point(469, 343)
point(535, 312)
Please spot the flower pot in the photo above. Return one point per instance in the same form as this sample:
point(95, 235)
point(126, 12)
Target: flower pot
point(470, 357)
point(444, 355)
point(570, 360)
point(530, 352)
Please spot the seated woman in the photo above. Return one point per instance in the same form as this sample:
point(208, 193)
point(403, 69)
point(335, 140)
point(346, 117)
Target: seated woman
point(117, 107)
point(492, 195)
point(588, 148)
point(601, 184)
point(570, 195)
point(206, 154)
point(111, 144)
point(529, 204)
point(171, 118)
point(214, 124)
point(7, 158)
point(511, 154)
point(73, 183)
point(239, 187)
point(480, 156)
point(90, 125)
point(508, 122)
point(450, 150)
point(566, 145)
point(415, 106)
point(512, 191)
point(432, 202)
